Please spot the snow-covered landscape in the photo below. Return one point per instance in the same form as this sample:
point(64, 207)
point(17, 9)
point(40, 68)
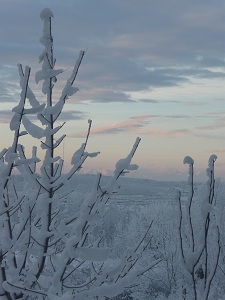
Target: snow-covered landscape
point(71, 236)
point(131, 210)
point(128, 214)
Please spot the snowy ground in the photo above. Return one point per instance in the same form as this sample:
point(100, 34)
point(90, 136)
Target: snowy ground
point(128, 214)
point(137, 191)
point(137, 203)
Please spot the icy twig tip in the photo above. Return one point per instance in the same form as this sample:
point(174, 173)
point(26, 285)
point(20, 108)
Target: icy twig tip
point(212, 160)
point(46, 14)
point(138, 139)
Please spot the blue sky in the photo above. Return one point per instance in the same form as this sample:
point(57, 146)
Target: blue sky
point(153, 69)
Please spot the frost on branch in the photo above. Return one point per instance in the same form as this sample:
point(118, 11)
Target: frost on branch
point(199, 234)
point(69, 90)
point(43, 75)
point(212, 160)
point(210, 169)
point(80, 153)
point(34, 130)
point(29, 94)
point(125, 163)
point(50, 250)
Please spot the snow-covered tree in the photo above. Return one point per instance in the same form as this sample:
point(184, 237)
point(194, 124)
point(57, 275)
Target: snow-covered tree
point(199, 233)
point(44, 252)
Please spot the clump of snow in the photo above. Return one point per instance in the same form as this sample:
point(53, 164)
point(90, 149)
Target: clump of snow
point(212, 160)
point(46, 13)
point(125, 163)
point(188, 160)
point(78, 154)
point(15, 122)
point(33, 129)
point(10, 155)
point(34, 109)
point(43, 75)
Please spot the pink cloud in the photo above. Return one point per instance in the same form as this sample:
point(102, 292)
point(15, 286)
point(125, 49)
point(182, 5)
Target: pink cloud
point(217, 150)
point(194, 103)
point(220, 99)
point(216, 125)
point(157, 132)
point(135, 124)
point(208, 136)
point(129, 125)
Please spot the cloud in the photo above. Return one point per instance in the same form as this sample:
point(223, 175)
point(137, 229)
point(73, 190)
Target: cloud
point(210, 62)
point(130, 125)
point(209, 136)
point(150, 101)
point(195, 70)
point(220, 99)
point(169, 52)
point(217, 124)
point(137, 123)
point(9, 87)
point(194, 103)
point(9, 92)
point(135, 75)
point(217, 150)
point(131, 48)
point(186, 103)
point(161, 133)
point(110, 79)
point(102, 95)
point(210, 127)
point(216, 113)
point(5, 116)
point(68, 115)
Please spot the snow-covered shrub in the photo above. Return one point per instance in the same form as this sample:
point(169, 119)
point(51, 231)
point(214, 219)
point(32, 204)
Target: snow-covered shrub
point(200, 233)
point(45, 252)
point(131, 222)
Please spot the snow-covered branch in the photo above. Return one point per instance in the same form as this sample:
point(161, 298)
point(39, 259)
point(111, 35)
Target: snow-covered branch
point(47, 252)
point(198, 256)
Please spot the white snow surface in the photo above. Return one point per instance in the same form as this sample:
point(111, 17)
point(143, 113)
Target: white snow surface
point(46, 13)
point(135, 195)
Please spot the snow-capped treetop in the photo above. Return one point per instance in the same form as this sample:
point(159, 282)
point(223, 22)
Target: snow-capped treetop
point(46, 13)
point(212, 159)
point(210, 169)
point(188, 160)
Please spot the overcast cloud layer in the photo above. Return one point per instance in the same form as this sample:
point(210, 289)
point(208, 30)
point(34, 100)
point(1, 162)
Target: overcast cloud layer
point(152, 68)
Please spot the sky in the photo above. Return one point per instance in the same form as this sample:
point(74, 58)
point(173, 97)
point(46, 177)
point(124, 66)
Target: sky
point(152, 69)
